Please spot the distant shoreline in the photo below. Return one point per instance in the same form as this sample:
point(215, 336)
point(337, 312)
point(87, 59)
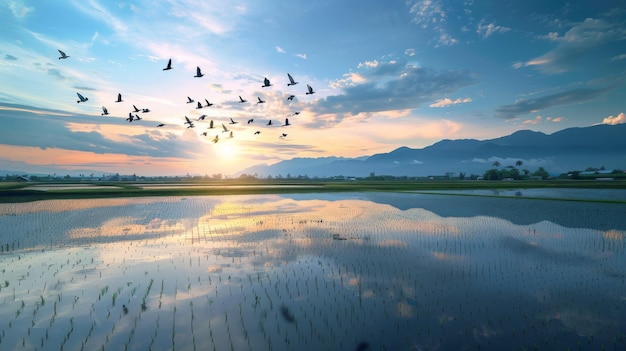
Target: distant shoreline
point(35, 191)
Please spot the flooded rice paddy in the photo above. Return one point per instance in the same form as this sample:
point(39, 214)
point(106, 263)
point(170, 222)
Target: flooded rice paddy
point(350, 271)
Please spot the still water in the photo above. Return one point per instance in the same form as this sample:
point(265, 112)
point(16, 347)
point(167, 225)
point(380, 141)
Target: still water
point(350, 271)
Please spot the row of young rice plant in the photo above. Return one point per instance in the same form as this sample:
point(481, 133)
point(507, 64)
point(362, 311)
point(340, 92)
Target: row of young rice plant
point(304, 273)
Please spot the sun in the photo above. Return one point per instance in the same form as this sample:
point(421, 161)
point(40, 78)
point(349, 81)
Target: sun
point(227, 150)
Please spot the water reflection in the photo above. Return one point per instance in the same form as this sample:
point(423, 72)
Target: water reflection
point(312, 271)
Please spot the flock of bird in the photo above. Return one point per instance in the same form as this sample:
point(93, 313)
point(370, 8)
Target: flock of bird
point(134, 116)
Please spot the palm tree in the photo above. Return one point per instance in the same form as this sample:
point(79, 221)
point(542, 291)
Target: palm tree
point(496, 164)
point(519, 163)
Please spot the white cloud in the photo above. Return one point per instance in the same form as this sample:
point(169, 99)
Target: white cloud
point(618, 57)
point(409, 52)
point(449, 102)
point(619, 119)
point(280, 50)
point(302, 56)
point(486, 30)
point(19, 9)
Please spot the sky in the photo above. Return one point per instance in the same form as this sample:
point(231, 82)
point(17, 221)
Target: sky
point(385, 74)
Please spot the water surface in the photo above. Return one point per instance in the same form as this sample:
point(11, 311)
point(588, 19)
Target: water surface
point(312, 272)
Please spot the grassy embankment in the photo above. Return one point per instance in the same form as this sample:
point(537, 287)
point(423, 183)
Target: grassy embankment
point(20, 192)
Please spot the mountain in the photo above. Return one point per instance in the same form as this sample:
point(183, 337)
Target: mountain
point(560, 152)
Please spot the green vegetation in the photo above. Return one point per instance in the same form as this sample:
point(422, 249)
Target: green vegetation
point(25, 192)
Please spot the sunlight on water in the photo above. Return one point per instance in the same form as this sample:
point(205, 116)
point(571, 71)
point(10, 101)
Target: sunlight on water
point(312, 272)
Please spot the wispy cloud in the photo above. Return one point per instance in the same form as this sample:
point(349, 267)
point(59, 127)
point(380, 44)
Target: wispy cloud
point(431, 14)
point(445, 102)
point(302, 56)
point(540, 119)
point(582, 39)
point(486, 30)
point(18, 9)
point(280, 50)
point(573, 96)
point(10, 57)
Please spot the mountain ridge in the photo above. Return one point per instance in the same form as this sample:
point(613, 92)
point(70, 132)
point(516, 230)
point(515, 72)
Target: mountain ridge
point(566, 150)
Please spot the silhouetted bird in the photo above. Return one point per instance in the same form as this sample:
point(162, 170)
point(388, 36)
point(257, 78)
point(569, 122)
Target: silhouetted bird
point(169, 65)
point(266, 83)
point(119, 98)
point(225, 130)
point(204, 133)
point(199, 105)
point(81, 98)
point(232, 121)
point(291, 81)
point(201, 118)
point(63, 55)
point(198, 73)
point(290, 97)
point(160, 125)
point(282, 136)
point(250, 120)
point(260, 101)
point(130, 117)
point(208, 104)
point(310, 90)
point(257, 132)
point(295, 113)
point(188, 122)
point(231, 134)
point(189, 100)
point(216, 139)
point(125, 309)
point(269, 123)
point(241, 100)
point(104, 111)
point(211, 124)
point(286, 122)
point(145, 110)
point(136, 109)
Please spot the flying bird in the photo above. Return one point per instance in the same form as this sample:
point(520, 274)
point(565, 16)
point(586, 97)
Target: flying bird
point(286, 122)
point(282, 136)
point(145, 110)
point(161, 125)
point(231, 134)
point(104, 111)
point(137, 118)
point(225, 129)
point(201, 118)
point(260, 101)
point(211, 124)
point(257, 132)
point(189, 100)
point(199, 105)
point(130, 117)
point(189, 122)
point(63, 55)
point(266, 83)
point(198, 73)
point(169, 65)
point(241, 100)
point(269, 123)
point(216, 139)
point(119, 98)
point(81, 98)
point(295, 113)
point(250, 120)
point(290, 97)
point(291, 81)
point(310, 90)
point(232, 121)
point(136, 109)
point(208, 104)
point(204, 133)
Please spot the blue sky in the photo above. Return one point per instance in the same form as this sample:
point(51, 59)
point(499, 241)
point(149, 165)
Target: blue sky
point(385, 75)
